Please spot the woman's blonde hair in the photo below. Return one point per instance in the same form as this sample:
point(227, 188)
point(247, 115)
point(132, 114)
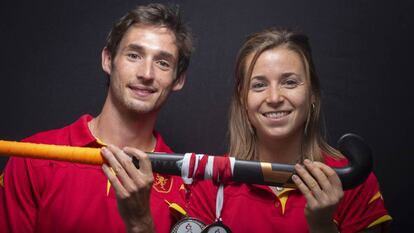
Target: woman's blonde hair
point(242, 134)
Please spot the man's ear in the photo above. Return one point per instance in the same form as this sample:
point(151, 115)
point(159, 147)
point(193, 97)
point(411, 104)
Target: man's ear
point(106, 60)
point(179, 82)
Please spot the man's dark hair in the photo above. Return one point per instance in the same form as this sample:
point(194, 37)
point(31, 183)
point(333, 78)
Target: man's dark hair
point(157, 15)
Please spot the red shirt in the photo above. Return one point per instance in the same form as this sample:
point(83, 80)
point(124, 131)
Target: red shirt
point(54, 196)
point(255, 208)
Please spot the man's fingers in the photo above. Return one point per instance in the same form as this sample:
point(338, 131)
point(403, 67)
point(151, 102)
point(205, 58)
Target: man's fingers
point(111, 155)
point(141, 175)
point(123, 168)
point(143, 160)
point(119, 189)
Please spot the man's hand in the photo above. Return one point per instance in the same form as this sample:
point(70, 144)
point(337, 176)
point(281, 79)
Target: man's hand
point(132, 186)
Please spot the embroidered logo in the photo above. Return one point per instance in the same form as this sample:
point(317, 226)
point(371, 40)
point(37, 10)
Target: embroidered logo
point(162, 184)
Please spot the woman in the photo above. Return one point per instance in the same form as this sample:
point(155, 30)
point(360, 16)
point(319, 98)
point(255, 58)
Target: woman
point(274, 117)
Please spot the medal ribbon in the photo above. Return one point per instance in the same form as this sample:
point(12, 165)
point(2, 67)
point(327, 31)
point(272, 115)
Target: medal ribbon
point(219, 202)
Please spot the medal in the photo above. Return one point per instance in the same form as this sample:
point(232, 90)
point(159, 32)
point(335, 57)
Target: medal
point(188, 225)
point(217, 227)
point(192, 225)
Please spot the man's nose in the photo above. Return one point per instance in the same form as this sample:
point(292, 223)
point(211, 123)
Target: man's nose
point(146, 70)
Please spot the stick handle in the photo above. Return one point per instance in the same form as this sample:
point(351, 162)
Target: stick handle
point(255, 172)
point(54, 152)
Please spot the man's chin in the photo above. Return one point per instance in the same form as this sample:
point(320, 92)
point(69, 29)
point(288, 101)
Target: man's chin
point(143, 109)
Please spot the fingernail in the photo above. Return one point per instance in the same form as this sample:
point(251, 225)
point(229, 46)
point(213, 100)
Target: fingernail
point(307, 161)
point(295, 177)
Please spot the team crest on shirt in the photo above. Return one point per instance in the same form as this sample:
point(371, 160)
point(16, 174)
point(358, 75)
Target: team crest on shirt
point(162, 184)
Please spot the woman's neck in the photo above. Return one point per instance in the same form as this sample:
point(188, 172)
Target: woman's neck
point(286, 150)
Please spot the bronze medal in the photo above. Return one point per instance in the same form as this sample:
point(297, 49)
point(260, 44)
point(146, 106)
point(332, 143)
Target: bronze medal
point(188, 225)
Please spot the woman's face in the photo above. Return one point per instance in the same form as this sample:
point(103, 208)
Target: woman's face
point(278, 99)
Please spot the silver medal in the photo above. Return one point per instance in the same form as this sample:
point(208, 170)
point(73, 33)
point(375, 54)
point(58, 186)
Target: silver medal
point(188, 225)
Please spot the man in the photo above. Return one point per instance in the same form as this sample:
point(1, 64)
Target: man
point(146, 56)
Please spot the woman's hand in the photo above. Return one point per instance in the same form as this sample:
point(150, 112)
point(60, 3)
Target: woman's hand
point(132, 185)
point(322, 189)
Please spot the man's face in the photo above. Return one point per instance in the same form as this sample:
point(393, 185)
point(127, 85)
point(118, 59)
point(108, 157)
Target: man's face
point(143, 71)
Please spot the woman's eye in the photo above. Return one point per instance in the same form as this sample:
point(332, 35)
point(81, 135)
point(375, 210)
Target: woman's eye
point(291, 83)
point(258, 85)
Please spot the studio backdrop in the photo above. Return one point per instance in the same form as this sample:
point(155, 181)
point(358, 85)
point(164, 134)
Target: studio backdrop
point(51, 73)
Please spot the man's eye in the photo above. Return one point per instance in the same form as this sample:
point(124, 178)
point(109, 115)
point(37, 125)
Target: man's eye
point(133, 56)
point(164, 64)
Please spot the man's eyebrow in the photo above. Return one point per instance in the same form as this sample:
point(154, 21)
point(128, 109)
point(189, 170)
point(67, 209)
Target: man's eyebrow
point(160, 55)
point(135, 47)
point(165, 55)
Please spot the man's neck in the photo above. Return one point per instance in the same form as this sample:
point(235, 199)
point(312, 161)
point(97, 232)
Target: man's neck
point(133, 130)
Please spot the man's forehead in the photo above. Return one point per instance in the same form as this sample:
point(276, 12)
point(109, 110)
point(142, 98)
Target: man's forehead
point(152, 37)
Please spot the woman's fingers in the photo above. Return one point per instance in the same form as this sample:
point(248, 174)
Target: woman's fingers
point(306, 184)
point(319, 184)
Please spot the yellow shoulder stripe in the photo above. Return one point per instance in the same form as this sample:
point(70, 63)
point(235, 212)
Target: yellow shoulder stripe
point(182, 187)
point(108, 183)
point(176, 210)
point(2, 180)
point(375, 197)
point(382, 219)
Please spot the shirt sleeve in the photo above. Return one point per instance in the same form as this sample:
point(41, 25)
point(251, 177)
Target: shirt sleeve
point(18, 197)
point(362, 207)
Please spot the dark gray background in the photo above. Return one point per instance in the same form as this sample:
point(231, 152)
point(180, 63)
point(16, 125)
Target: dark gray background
point(51, 73)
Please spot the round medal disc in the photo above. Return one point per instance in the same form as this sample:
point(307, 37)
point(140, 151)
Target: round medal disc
point(188, 225)
point(217, 227)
